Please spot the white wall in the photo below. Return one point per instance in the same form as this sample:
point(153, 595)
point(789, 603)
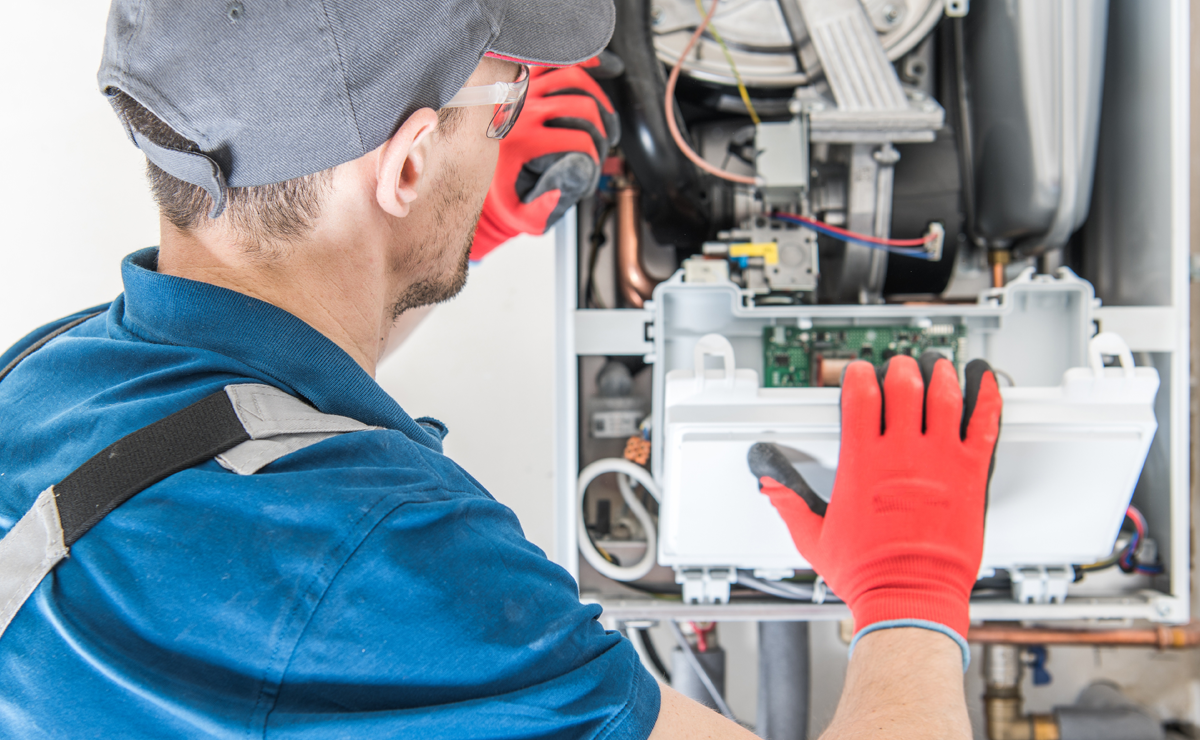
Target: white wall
point(74, 201)
point(72, 197)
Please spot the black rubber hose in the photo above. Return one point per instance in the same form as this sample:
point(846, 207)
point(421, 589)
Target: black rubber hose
point(672, 191)
point(652, 654)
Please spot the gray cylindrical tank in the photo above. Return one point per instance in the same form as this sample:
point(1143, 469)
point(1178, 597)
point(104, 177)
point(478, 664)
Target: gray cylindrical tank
point(783, 681)
point(1102, 712)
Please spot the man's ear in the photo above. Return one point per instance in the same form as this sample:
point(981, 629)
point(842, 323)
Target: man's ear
point(403, 160)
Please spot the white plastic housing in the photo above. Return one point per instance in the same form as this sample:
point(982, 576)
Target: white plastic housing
point(1067, 462)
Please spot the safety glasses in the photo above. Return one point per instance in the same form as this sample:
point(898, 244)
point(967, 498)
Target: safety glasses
point(508, 97)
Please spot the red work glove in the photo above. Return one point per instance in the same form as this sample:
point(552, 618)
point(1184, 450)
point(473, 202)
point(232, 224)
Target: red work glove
point(551, 158)
point(902, 537)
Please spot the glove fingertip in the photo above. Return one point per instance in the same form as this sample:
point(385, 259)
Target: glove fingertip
point(858, 371)
point(862, 400)
point(927, 363)
point(773, 470)
point(982, 404)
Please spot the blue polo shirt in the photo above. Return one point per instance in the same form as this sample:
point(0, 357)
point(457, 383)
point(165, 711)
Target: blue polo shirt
point(365, 586)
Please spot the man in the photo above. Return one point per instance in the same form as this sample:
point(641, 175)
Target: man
point(317, 177)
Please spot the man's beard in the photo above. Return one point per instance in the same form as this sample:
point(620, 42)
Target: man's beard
point(438, 289)
point(429, 292)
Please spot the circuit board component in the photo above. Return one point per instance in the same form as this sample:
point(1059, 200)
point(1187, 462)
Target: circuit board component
point(816, 357)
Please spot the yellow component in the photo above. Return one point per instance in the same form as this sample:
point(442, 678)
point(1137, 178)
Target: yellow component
point(741, 86)
point(769, 251)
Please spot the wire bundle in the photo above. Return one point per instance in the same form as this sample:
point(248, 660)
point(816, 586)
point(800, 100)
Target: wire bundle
point(1126, 557)
point(918, 248)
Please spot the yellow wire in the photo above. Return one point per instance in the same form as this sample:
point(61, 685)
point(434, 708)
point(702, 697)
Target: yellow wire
point(741, 86)
point(605, 554)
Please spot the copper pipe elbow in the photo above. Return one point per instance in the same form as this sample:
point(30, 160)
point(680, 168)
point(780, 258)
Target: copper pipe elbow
point(634, 284)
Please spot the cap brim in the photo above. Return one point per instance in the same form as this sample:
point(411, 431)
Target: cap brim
point(554, 32)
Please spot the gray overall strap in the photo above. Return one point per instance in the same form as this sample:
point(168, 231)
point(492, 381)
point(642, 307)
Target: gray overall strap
point(244, 426)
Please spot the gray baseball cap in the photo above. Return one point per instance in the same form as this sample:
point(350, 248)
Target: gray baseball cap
point(276, 89)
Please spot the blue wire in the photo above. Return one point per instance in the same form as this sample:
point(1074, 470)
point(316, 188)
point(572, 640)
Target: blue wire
point(905, 251)
point(1127, 558)
point(1130, 549)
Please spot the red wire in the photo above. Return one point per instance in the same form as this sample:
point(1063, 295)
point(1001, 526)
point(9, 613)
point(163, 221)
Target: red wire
point(702, 635)
point(863, 237)
point(1139, 524)
point(1139, 521)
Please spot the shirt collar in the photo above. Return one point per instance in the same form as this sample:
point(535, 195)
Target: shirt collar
point(172, 310)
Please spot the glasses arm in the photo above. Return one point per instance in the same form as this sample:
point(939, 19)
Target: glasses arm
point(497, 93)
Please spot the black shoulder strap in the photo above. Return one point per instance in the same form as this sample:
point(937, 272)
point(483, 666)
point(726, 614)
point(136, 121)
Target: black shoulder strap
point(63, 513)
point(244, 426)
point(137, 461)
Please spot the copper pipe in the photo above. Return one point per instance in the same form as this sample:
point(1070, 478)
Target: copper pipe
point(634, 285)
point(1161, 637)
point(998, 259)
point(1004, 721)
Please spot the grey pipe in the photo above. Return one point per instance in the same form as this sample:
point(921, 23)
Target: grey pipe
point(783, 680)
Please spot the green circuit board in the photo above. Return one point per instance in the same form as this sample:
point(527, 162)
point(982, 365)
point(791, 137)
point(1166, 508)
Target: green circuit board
point(803, 358)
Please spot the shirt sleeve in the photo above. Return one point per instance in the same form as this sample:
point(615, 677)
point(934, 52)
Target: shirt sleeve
point(447, 622)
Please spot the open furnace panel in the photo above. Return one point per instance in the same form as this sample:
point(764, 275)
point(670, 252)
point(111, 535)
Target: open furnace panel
point(1080, 303)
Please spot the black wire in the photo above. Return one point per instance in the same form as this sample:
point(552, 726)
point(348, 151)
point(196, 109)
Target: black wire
point(652, 653)
point(596, 241)
point(654, 589)
point(965, 140)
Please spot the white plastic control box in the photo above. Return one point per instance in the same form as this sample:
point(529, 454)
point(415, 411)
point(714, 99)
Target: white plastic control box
point(1067, 453)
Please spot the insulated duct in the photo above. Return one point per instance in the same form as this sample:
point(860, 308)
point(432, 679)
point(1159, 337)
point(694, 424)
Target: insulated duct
point(672, 201)
point(783, 681)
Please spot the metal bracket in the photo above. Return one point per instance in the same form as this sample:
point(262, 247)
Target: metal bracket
point(619, 331)
point(1167, 608)
point(706, 585)
point(869, 104)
